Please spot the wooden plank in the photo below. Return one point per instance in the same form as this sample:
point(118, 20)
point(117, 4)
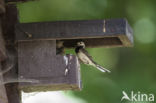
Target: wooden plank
point(12, 88)
point(2, 46)
point(2, 7)
point(109, 32)
point(9, 20)
point(37, 60)
point(13, 93)
point(3, 95)
point(16, 1)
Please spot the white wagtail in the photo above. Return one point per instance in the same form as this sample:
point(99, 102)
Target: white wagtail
point(85, 58)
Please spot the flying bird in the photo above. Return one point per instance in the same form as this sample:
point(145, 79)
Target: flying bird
point(85, 58)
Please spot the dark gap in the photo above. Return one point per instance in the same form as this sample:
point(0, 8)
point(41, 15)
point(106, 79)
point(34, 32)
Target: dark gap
point(93, 42)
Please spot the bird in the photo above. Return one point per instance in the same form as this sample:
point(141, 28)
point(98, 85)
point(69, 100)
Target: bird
point(60, 48)
point(85, 58)
point(61, 51)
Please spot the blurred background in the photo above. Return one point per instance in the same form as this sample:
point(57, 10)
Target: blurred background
point(132, 69)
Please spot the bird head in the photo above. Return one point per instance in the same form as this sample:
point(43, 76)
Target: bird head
point(59, 44)
point(81, 44)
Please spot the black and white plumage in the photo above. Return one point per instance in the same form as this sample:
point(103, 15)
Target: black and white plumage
point(85, 58)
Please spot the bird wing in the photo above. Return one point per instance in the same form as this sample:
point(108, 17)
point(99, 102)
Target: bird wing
point(87, 59)
point(86, 53)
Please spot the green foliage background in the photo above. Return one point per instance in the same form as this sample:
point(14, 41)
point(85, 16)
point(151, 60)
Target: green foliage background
point(132, 68)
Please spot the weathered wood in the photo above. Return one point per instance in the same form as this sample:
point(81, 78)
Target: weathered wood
point(2, 46)
point(12, 75)
point(13, 93)
point(3, 95)
point(37, 60)
point(95, 33)
point(2, 6)
point(15, 1)
point(9, 20)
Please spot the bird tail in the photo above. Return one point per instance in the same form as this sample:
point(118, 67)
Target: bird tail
point(102, 69)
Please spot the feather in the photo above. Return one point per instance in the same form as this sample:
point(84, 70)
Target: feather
point(85, 52)
point(102, 68)
point(85, 58)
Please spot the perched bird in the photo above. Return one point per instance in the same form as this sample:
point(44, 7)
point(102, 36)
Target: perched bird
point(60, 51)
point(59, 48)
point(85, 58)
